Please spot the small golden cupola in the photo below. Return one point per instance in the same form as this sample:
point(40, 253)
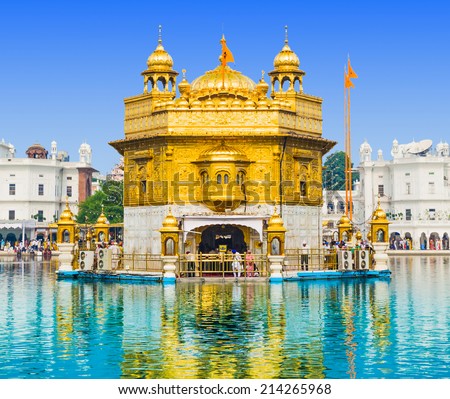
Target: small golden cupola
point(170, 222)
point(222, 170)
point(184, 86)
point(160, 70)
point(262, 88)
point(345, 229)
point(286, 69)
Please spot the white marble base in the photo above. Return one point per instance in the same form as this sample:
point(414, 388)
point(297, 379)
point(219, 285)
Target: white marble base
point(169, 267)
point(142, 224)
point(65, 257)
point(275, 267)
point(381, 257)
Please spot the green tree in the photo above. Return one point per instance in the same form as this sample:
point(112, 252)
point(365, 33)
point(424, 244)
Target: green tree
point(333, 175)
point(110, 197)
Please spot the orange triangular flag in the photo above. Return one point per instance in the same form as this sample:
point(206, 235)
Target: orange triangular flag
point(351, 72)
point(227, 55)
point(347, 82)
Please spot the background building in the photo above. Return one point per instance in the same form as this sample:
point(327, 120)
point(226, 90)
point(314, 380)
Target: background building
point(413, 189)
point(34, 189)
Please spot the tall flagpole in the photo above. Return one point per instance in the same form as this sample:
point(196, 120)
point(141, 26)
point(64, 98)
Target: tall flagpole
point(345, 142)
point(350, 74)
point(349, 148)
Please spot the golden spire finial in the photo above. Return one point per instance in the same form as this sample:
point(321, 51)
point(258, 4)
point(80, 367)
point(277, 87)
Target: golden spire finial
point(286, 34)
point(184, 73)
point(160, 34)
point(262, 74)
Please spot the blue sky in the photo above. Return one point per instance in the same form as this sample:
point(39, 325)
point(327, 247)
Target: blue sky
point(66, 66)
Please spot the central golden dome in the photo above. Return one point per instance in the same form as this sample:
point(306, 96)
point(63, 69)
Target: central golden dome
point(226, 80)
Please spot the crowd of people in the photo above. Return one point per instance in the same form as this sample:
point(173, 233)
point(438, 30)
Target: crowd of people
point(32, 247)
point(363, 244)
point(400, 244)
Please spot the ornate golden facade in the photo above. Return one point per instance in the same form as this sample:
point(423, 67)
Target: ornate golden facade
point(223, 145)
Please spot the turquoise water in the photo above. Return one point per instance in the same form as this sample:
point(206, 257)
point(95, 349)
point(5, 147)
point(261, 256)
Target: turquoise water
point(397, 328)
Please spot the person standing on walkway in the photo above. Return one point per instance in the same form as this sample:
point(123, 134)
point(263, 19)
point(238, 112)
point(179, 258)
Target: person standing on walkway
point(237, 263)
point(249, 263)
point(115, 255)
point(190, 257)
point(304, 258)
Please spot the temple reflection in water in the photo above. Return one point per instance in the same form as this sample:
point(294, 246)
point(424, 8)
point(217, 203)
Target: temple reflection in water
point(229, 330)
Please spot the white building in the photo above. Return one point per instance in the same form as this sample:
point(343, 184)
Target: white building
point(413, 189)
point(34, 189)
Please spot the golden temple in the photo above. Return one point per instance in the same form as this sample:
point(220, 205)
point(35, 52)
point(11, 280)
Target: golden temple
point(221, 154)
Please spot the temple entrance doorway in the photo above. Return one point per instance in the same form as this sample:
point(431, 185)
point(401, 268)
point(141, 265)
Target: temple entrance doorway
point(216, 237)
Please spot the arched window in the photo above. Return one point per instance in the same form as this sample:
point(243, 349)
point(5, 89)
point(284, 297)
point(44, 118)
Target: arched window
point(225, 178)
point(170, 247)
point(219, 179)
point(143, 186)
point(286, 84)
point(204, 177)
point(330, 207)
point(240, 178)
point(276, 85)
point(380, 235)
point(275, 246)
